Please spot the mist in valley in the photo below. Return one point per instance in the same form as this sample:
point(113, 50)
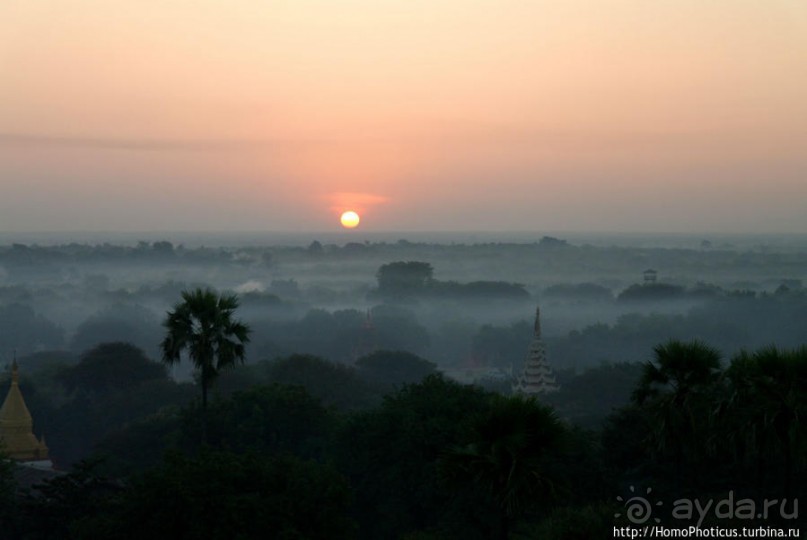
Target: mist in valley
point(578, 284)
point(473, 310)
point(346, 331)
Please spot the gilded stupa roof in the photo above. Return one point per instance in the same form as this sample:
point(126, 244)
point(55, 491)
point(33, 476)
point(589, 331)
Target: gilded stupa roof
point(14, 412)
point(16, 434)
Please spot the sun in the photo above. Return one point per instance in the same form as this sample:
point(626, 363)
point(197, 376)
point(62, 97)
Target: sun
point(350, 219)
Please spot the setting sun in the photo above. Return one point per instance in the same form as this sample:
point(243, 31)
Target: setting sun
point(350, 219)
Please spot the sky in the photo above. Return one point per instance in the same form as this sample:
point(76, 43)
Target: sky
point(421, 115)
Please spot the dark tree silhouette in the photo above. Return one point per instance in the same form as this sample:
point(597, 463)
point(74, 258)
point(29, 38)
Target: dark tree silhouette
point(391, 369)
point(203, 325)
point(677, 389)
point(768, 399)
point(404, 277)
point(509, 457)
point(111, 367)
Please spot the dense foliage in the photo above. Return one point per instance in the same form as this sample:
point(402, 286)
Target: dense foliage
point(433, 459)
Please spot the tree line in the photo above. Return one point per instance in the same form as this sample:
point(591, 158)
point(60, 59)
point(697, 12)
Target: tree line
point(321, 450)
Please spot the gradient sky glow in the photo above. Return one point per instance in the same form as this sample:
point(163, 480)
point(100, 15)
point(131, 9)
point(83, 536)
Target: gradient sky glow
point(578, 115)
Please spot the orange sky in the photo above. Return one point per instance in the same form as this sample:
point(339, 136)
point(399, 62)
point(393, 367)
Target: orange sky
point(584, 115)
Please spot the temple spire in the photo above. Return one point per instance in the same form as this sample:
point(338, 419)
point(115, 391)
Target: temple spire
point(537, 376)
point(15, 371)
point(16, 424)
point(538, 323)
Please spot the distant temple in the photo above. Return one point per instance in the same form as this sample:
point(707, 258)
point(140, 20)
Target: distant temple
point(537, 377)
point(17, 440)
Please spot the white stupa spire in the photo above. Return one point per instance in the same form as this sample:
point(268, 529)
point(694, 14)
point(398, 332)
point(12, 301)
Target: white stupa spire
point(537, 377)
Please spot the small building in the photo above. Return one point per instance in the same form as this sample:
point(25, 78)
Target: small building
point(17, 439)
point(537, 377)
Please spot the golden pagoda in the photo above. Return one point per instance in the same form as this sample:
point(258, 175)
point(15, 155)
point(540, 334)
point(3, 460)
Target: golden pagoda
point(17, 440)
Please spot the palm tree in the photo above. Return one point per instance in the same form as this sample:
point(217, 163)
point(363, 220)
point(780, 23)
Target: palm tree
point(768, 395)
point(678, 388)
point(203, 325)
point(510, 457)
point(744, 416)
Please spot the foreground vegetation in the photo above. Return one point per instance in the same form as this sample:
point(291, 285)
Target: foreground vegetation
point(303, 448)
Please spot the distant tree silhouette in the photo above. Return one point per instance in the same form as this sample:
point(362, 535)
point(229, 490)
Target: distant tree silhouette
point(394, 368)
point(315, 248)
point(552, 242)
point(403, 277)
point(163, 248)
point(121, 322)
point(111, 366)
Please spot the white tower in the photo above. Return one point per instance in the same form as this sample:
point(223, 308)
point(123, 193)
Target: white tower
point(537, 377)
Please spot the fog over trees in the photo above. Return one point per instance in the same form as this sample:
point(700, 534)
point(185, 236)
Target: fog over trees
point(374, 398)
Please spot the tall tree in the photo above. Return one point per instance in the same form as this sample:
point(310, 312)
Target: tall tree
point(769, 401)
point(510, 458)
point(203, 324)
point(676, 389)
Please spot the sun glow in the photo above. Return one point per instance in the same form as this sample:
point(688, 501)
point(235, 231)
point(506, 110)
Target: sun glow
point(350, 219)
